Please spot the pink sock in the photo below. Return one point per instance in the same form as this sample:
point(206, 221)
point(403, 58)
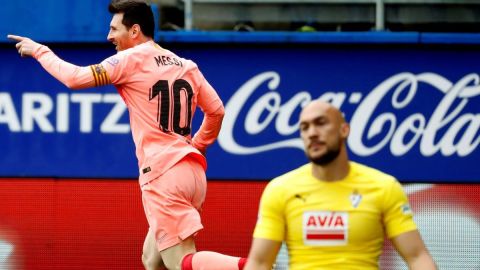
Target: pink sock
point(207, 260)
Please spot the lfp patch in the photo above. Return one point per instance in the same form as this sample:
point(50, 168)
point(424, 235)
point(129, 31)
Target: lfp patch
point(113, 61)
point(406, 209)
point(325, 228)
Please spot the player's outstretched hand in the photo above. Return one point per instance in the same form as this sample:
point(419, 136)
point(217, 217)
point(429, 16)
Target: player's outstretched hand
point(25, 46)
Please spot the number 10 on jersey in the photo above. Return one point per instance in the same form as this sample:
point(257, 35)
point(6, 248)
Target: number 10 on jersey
point(174, 105)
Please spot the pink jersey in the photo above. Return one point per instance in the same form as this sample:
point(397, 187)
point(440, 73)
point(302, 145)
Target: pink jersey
point(161, 91)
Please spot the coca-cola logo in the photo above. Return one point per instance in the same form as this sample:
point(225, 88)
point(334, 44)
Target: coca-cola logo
point(450, 129)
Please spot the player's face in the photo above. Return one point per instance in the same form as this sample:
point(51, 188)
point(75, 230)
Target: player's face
point(119, 35)
point(321, 132)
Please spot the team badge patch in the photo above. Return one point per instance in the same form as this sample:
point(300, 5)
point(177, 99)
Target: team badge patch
point(355, 198)
point(325, 228)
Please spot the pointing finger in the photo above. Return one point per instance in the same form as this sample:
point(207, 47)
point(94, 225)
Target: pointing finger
point(16, 38)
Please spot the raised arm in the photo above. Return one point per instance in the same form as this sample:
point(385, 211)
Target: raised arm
point(412, 249)
point(72, 76)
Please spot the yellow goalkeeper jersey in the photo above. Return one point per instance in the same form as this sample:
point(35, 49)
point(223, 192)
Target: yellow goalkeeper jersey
point(334, 225)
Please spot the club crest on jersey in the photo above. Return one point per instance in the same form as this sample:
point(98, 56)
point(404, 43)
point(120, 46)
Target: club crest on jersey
point(325, 228)
point(355, 198)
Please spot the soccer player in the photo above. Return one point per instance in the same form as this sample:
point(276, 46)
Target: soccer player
point(333, 213)
point(161, 91)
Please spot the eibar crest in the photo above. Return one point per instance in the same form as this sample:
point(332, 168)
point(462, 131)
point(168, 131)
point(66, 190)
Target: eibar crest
point(355, 198)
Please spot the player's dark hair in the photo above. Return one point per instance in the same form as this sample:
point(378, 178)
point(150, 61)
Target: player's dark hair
point(134, 12)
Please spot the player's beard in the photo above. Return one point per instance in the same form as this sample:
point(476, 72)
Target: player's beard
point(330, 155)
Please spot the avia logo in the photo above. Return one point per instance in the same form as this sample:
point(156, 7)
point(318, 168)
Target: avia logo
point(325, 219)
point(325, 228)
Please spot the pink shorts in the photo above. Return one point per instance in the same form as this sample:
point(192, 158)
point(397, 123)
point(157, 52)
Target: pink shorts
point(172, 202)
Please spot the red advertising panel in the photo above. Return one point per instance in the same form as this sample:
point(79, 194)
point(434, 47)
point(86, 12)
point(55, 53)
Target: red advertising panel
point(99, 224)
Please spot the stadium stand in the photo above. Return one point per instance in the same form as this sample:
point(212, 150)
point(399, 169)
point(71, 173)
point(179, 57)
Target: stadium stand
point(322, 15)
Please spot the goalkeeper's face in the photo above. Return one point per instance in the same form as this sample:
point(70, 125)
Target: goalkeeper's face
point(323, 131)
point(119, 34)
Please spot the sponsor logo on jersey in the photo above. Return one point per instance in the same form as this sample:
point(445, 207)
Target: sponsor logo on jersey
point(300, 197)
point(325, 228)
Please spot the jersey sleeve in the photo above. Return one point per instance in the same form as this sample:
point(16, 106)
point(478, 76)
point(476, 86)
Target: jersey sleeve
point(271, 219)
point(72, 76)
point(212, 107)
point(398, 215)
point(116, 68)
point(208, 99)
